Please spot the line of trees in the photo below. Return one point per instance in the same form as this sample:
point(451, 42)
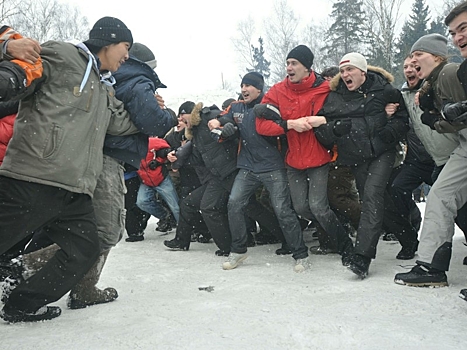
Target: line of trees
point(44, 19)
point(366, 26)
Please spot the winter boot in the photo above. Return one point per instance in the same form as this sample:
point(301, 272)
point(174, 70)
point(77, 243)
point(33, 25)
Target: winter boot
point(463, 294)
point(44, 313)
point(359, 265)
point(422, 276)
point(85, 293)
point(176, 244)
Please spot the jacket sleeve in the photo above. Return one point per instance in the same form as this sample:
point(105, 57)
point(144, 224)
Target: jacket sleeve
point(267, 127)
point(145, 112)
point(398, 124)
point(120, 122)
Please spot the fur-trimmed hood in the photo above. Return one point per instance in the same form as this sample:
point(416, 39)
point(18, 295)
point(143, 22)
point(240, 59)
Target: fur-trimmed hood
point(195, 119)
point(334, 83)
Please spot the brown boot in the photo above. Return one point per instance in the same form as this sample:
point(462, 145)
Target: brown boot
point(85, 293)
point(36, 260)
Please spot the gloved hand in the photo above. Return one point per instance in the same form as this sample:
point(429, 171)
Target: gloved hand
point(342, 127)
point(427, 100)
point(429, 119)
point(455, 112)
point(386, 136)
point(267, 111)
point(228, 130)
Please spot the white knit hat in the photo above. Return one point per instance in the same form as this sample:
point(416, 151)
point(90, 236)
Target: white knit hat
point(354, 59)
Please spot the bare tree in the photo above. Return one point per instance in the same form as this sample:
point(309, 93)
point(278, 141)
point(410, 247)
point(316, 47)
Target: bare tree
point(383, 18)
point(8, 8)
point(242, 43)
point(313, 36)
point(49, 20)
point(280, 37)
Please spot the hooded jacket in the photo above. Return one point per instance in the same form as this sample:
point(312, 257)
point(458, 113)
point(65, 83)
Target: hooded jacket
point(62, 121)
point(154, 177)
point(218, 159)
point(295, 101)
point(135, 87)
point(365, 107)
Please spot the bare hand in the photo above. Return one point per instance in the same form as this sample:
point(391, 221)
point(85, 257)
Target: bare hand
point(299, 125)
point(214, 124)
point(417, 98)
point(24, 49)
point(391, 108)
point(160, 100)
point(171, 157)
point(316, 120)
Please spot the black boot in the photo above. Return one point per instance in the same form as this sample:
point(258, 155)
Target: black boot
point(284, 250)
point(44, 313)
point(359, 265)
point(422, 276)
point(175, 244)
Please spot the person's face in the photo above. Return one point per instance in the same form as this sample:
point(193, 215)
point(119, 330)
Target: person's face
point(458, 32)
point(181, 124)
point(296, 71)
point(410, 73)
point(424, 63)
point(249, 93)
point(352, 77)
point(185, 118)
point(113, 56)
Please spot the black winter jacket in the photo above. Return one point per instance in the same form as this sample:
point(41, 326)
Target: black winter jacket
point(366, 108)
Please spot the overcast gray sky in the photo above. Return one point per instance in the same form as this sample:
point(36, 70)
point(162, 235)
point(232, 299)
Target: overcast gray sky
point(191, 39)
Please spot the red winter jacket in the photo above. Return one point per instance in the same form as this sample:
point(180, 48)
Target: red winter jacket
point(148, 176)
point(6, 133)
point(295, 101)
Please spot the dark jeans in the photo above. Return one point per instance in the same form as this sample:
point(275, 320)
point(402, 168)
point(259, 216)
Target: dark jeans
point(372, 178)
point(70, 222)
point(276, 184)
point(308, 189)
point(136, 219)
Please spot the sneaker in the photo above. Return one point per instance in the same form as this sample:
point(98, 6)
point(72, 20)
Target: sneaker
point(301, 265)
point(175, 244)
point(221, 252)
point(283, 250)
point(98, 296)
point(422, 276)
point(359, 265)
point(44, 313)
point(135, 238)
point(233, 260)
point(320, 250)
point(463, 294)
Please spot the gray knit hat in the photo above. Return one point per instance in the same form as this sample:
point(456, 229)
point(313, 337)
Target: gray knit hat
point(143, 53)
point(436, 44)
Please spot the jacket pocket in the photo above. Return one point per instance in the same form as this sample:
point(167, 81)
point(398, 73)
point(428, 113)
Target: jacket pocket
point(52, 142)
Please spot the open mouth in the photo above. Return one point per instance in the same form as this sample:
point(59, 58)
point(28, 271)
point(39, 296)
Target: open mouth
point(411, 78)
point(348, 81)
point(417, 68)
point(462, 45)
point(245, 95)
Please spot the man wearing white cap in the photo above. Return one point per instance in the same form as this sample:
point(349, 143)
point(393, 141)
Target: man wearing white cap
point(366, 139)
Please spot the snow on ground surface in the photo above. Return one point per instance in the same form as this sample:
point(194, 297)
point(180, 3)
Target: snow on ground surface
point(262, 304)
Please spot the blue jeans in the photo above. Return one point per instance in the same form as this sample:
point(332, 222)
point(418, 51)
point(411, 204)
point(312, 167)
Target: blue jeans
point(276, 184)
point(147, 201)
point(309, 191)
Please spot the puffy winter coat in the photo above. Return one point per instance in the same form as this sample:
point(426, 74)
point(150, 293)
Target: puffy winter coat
point(6, 132)
point(295, 101)
point(153, 177)
point(365, 107)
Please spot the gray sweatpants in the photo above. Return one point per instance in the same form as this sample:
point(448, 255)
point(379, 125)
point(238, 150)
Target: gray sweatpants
point(448, 194)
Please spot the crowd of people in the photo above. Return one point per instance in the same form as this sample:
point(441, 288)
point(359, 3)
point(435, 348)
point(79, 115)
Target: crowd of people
point(92, 152)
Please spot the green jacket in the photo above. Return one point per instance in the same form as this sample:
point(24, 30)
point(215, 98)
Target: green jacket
point(61, 124)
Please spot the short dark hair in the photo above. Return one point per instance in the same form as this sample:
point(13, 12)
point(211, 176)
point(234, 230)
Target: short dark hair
point(330, 71)
point(456, 11)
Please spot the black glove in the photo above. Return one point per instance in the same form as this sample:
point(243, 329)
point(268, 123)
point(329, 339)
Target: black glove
point(427, 100)
point(429, 119)
point(386, 136)
point(267, 111)
point(228, 130)
point(454, 112)
point(342, 127)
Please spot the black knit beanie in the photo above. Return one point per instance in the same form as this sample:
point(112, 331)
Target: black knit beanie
point(303, 55)
point(255, 79)
point(108, 30)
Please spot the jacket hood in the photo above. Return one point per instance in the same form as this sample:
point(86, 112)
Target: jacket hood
point(195, 119)
point(334, 83)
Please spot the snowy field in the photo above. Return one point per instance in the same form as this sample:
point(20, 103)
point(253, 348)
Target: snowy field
point(262, 304)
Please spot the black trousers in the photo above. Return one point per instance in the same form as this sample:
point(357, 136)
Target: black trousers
point(68, 220)
point(136, 219)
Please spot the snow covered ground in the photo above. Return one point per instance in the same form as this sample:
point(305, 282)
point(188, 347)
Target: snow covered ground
point(262, 304)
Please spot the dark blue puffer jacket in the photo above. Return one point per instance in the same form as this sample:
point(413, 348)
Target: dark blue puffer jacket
point(135, 87)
